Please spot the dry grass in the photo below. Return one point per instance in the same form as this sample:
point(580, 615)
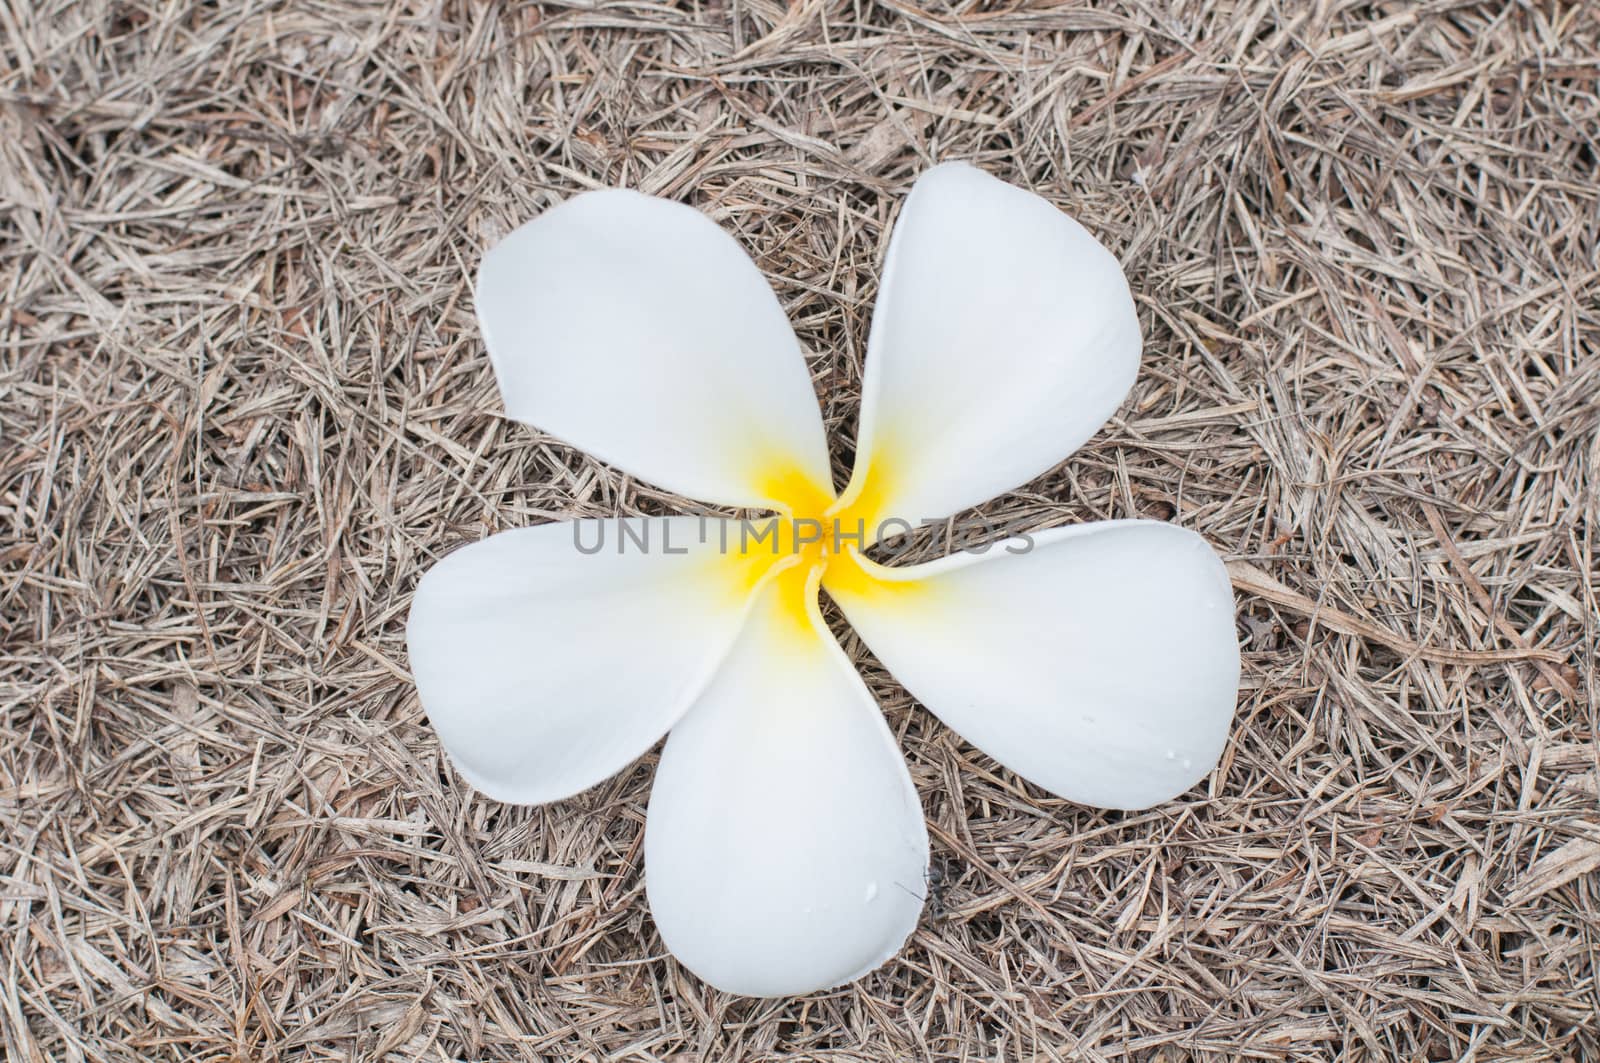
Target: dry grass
point(244, 404)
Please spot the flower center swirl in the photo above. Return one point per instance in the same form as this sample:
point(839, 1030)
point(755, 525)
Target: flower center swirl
point(814, 540)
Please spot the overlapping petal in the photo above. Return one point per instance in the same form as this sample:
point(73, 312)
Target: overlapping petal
point(1102, 664)
point(785, 849)
point(1003, 337)
point(545, 669)
point(637, 329)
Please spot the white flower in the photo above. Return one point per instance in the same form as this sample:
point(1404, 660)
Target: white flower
point(785, 849)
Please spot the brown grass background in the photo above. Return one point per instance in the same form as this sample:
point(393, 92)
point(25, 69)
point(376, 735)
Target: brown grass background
point(244, 404)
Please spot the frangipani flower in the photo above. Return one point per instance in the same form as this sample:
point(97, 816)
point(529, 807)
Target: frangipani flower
point(785, 849)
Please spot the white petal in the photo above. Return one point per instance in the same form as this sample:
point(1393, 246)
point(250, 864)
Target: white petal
point(636, 329)
point(1102, 665)
point(545, 669)
point(785, 849)
point(1003, 337)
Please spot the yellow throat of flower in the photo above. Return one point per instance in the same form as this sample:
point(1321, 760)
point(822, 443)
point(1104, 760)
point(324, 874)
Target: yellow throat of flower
point(815, 541)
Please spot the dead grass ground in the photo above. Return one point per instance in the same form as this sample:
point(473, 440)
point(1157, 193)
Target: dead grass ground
point(244, 404)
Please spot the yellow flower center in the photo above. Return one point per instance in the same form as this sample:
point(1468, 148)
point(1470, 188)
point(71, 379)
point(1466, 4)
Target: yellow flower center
point(815, 540)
